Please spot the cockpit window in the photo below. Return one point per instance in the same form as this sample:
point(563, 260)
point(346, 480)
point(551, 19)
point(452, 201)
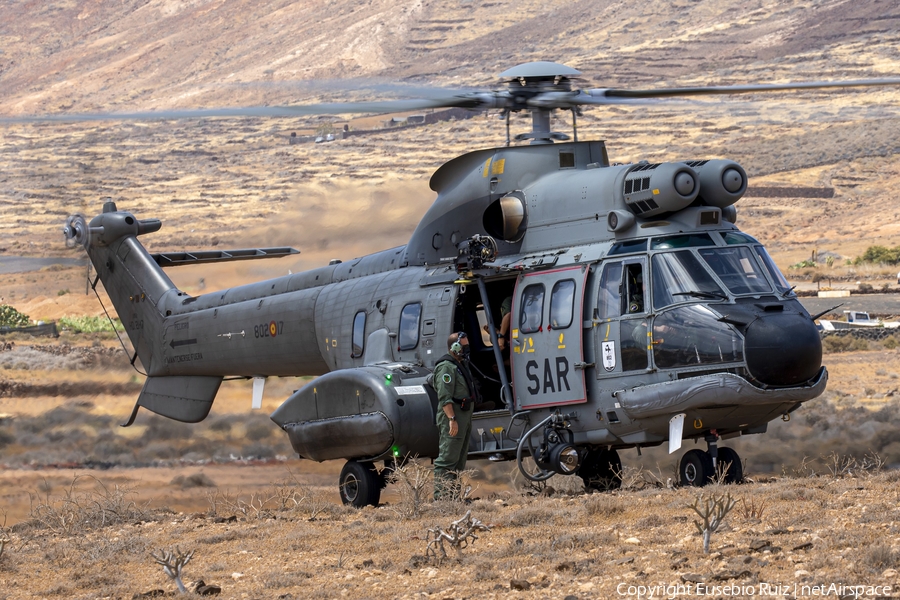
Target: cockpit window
point(692, 335)
point(690, 240)
point(610, 284)
point(530, 319)
point(781, 284)
point(733, 237)
point(679, 277)
point(628, 247)
point(737, 268)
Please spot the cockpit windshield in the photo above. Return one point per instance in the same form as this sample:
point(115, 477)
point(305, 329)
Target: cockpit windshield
point(738, 269)
point(781, 284)
point(679, 276)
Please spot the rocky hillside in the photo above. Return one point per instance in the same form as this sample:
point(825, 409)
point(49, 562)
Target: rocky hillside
point(237, 182)
point(88, 55)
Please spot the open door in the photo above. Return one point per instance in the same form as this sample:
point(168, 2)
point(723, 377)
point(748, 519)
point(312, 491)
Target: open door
point(547, 327)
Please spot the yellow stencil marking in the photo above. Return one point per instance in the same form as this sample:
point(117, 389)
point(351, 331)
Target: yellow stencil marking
point(497, 167)
point(334, 343)
point(656, 192)
point(531, 344)
point(606, 337)
point(515, 334)
point(487, 168)
point(561, 346)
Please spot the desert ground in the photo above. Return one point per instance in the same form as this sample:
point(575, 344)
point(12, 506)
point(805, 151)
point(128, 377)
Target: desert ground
point(84, 502)
point(819, 507)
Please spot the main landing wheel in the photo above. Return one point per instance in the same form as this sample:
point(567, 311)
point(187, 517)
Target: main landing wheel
point(600, 470)
point(696, 468)
point(728, 457)
point(360, 484)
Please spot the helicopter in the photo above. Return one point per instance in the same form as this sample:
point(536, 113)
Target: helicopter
point(639, 314)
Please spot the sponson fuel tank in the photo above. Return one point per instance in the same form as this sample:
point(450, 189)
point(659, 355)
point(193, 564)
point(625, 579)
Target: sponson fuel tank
point(367, 412)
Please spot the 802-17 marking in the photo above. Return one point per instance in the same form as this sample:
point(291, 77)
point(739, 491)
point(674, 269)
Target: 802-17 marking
point(270, 329)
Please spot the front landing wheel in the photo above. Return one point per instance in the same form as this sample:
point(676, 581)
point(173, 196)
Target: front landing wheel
point(696, 468)
point(360, 484)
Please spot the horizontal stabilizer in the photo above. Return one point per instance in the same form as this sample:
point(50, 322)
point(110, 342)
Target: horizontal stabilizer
point(182, 397)
point(194, 257)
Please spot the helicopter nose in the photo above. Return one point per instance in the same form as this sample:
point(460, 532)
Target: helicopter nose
point(783, 349)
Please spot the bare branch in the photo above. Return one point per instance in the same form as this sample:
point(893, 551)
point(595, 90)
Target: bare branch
point(712, 510)
point(173, 564)
point(459, 535)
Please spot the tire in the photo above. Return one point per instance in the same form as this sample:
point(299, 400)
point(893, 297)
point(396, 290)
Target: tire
point(696, 468)
point(360, 484)
point(735, 473)
point(600, 470)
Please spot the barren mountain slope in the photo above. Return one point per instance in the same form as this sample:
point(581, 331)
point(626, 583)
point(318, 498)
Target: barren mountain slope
point(83, 55)
point(236, 182)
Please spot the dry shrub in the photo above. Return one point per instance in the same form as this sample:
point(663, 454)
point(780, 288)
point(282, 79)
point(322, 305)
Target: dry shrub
point(286, 496)
point(415, 482)
point(882, 556)
point(844, 343)
point(539, 513)
point(457, 493)
point(76, 511)
point(279, 579)
point(581, 540)
point(604, 505)
point(230, 536)
point(752, 509)
point(193, 481)
point(26, 358)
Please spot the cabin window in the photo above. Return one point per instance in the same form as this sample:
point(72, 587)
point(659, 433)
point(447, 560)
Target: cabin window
point(409, 326)
point(530, 319)
point(562, 304)
point(608, 299)
point(680, 277)
point(737, 268)
point(358, 338)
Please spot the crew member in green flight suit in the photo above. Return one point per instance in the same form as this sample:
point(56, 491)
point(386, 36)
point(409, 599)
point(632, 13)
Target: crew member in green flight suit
point(457, 395)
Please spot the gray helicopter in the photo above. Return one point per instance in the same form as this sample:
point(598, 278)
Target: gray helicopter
point(638, 313)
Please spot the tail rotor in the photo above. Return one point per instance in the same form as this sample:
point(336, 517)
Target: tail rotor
point(77, 231)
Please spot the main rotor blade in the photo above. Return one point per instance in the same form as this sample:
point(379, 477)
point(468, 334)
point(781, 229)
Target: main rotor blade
point(603, 95)
point(333, 108)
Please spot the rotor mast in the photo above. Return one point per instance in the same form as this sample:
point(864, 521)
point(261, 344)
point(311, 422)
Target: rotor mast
point(536, 87)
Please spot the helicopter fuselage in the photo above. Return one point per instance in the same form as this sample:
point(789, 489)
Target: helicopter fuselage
point(636, 303)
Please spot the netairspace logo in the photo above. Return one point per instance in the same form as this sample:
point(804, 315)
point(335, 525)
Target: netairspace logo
point(671, 591)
